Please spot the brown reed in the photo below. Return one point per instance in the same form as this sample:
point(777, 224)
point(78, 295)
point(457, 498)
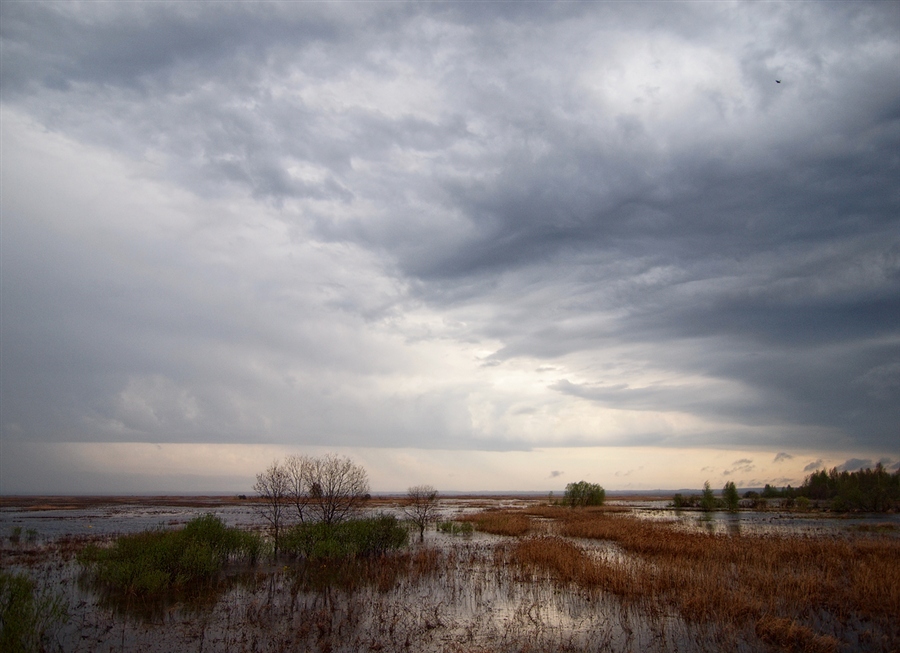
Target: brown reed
point(791, 635)
point(739, 580)
point(500, 522)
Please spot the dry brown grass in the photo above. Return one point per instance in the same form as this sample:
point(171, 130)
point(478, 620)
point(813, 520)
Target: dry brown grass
point(791, 635)
point(500, 522)
point(770, 582)
point(568, 563)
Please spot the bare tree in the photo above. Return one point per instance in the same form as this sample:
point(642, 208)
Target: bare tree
point(421, 504)
point(299, 470)
point(337, 487)
point(272, 486)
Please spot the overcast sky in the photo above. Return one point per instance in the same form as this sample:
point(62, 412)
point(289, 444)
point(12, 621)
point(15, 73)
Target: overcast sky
point(484, 245)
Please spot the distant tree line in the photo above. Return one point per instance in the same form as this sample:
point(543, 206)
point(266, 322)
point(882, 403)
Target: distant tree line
point(865, 490)
point(868, 490)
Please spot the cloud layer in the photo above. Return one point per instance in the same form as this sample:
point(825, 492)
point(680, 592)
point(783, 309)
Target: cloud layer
point(488, 226)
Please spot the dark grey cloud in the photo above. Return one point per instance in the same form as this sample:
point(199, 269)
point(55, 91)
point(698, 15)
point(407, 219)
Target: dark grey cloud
point(782, 456)
point(618, 195)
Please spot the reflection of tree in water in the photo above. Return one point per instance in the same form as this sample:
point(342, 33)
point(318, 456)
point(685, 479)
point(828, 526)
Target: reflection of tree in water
point(192, 601)
point(733, 524)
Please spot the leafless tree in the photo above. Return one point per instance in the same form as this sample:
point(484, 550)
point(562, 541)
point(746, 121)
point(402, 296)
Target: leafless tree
point(337, 487)
point(272, 487)
point(421, 504)
point(299, 470)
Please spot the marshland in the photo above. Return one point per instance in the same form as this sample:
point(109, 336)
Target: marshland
point(488, 574)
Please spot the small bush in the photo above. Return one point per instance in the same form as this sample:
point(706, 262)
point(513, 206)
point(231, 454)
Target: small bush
point(353, 538)
point(583, 493)
point(26, 617)
point(155, 561)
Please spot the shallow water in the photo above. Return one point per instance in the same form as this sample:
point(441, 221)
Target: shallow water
point(770, 522)
point(471, 601)
point(133, 518)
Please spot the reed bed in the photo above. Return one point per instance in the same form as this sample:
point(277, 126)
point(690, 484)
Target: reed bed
point(778, 585)
point(500, 522)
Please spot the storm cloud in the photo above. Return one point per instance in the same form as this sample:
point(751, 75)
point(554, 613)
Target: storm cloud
point(472, 226)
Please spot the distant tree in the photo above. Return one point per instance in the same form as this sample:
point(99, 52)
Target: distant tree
point(708, 499)
point(337, 487)
point(730, 497)
point(770, 492)
point(272, 487)
point(421, 505)
point(583, 493)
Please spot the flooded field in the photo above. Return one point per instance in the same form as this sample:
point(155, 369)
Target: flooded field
point(631, 577)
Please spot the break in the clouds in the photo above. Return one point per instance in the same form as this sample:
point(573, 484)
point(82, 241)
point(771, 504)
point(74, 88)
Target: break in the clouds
point(468, 226)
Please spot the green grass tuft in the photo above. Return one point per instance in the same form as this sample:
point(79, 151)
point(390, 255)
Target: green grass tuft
point(153, 562)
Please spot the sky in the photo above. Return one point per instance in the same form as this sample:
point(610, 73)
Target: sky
point(483, 245)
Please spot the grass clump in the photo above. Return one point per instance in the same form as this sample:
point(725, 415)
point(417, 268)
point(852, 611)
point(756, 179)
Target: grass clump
point(373, 536)
point(26, 616)
point(153, 562)
point(788, 634)
point(451, 527)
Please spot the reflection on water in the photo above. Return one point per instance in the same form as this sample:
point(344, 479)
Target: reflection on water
point(772, 522)
point(449, 594)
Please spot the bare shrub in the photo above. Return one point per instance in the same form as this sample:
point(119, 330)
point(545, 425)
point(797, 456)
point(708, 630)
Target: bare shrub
point(272, 487)
point(337, 487)
point(421, 505)
point(300, 477)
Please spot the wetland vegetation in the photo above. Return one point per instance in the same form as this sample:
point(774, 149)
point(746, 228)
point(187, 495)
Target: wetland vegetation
point(490, 574)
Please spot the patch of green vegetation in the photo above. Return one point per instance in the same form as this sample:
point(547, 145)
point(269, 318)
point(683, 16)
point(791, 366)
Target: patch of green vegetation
point(26, 616)
point(583, 493)
point(352, 538)
point(456, 527)
point(153, 562)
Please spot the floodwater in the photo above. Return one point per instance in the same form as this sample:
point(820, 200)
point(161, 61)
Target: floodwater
point(466, 599)
point(123, 518)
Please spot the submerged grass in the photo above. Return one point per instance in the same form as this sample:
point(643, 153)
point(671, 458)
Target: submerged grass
point(153, 562)
point(772, 584)
point(26, 614)
point(451, 527)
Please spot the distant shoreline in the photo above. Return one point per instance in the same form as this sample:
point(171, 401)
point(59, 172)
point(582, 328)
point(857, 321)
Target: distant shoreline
point(212, 500)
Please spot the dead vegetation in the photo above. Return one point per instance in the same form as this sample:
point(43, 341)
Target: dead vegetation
point(778, 585)
point(500, 522)
point(555, 579)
